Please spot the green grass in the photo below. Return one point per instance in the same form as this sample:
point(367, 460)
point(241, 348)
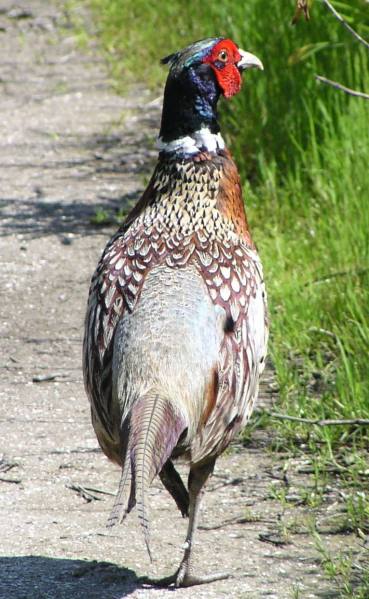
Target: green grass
point(315, 243)
point(303, 153)
point(350, 578)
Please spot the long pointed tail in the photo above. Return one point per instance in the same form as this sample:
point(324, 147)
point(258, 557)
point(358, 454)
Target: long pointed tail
point(154, 429)
point(123, 503)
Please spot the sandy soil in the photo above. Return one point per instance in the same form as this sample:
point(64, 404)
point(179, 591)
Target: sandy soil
point(69, 144)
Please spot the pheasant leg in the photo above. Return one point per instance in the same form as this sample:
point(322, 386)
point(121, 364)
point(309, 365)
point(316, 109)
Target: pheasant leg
point(174, 485)
point(184, 576)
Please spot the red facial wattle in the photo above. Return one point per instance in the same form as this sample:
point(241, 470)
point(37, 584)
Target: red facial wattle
point(229, 79)
point(226, 72)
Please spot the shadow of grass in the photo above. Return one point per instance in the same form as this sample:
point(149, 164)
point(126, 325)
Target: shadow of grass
point(103, 158)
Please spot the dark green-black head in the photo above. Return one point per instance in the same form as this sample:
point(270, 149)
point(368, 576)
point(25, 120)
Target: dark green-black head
point(222, 55)
point(198, 75)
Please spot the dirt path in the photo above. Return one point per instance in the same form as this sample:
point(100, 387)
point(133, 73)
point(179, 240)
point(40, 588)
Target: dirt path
point(67, 145)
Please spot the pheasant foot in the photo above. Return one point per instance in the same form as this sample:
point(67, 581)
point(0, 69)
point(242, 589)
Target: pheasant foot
point(179, 579)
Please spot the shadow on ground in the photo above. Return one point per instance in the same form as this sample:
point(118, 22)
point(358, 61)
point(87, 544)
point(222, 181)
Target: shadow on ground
point(39, 218)
point(38, 577)
point(110, 159)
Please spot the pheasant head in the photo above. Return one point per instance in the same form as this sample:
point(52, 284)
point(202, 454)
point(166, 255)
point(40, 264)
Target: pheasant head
point(198, 76)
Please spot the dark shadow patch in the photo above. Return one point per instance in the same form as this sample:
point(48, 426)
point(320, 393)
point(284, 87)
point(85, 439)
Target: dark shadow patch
point(229, 324)
point(36, 577)
point(36, 218)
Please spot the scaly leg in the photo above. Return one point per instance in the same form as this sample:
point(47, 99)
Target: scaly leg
point(196, 481)
point(184, 576)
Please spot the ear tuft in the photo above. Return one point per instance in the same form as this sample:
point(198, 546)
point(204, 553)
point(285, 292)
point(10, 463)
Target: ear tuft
point(169, 59)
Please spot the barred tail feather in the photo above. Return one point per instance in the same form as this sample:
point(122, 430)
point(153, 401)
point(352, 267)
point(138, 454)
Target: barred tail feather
point(122, 506)
point(154, 429)
point(150, 422)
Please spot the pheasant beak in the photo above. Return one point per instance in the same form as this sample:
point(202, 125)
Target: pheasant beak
point(249, 61)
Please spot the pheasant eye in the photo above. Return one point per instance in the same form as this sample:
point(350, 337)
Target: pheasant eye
point(223, 56)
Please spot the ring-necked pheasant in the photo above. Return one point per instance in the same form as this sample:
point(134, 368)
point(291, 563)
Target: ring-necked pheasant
point(176, 325)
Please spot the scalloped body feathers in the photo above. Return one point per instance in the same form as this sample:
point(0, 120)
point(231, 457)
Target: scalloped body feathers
point(176, 326)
